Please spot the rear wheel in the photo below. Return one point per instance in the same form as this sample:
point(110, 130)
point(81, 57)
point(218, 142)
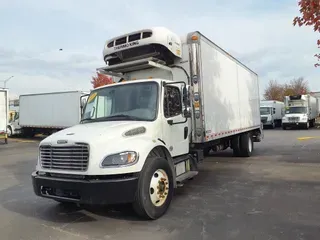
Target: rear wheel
point(246, 145)
point(235, 143)
point(155, 189)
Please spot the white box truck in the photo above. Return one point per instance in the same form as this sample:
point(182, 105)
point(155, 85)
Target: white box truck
point(144, 136)
point(271, 112)
point(47, 112)
point(4, 114)
point(316, 95)
point(301, 111)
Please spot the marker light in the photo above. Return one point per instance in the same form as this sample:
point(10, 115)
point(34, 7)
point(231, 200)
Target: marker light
point(194, 38)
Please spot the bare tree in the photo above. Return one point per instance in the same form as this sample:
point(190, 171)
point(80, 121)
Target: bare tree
point(296, 86)
point(277, 91)
point(274, 91)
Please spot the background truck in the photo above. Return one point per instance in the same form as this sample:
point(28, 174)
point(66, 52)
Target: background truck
point(46, 113)
point(316, 95)
point(141, 138)
point(13, 127)
point(301, 111)
point(4, 113)
point(271, 112)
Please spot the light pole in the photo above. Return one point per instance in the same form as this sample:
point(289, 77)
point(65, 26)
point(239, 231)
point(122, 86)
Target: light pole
point(5, 81)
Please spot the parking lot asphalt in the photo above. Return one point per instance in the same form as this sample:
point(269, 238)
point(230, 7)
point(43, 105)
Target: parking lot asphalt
point(275, 194)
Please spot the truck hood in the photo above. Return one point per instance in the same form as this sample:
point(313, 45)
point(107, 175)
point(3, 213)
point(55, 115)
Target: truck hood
point(89, 132)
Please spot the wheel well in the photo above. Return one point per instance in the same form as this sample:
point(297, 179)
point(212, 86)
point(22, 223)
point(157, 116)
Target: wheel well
point(160, 151)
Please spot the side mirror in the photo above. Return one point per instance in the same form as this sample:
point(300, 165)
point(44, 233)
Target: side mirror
point(83, 101)
point(187, 113)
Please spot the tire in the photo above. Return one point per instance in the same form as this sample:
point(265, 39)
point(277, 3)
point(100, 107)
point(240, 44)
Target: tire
point(246, 145)
point(306, 126)
point(235, 143)
point(145, 204)
point(312, 123)
point(273, 125)
point(284, 127)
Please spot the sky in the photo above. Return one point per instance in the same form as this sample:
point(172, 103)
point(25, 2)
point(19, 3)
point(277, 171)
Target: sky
point(259, 33)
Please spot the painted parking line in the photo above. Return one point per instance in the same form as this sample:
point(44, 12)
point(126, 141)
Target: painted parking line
point(306, 138)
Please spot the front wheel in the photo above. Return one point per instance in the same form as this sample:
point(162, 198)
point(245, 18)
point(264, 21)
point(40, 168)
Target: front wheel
point(155, 189)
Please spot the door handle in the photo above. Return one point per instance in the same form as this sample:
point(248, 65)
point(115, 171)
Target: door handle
point(186, 132)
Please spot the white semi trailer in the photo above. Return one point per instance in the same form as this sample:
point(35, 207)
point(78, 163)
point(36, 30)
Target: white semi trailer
point(47, 112)
point(301, 111)
point(271, 112)
point(4, 113)
point(141, 138)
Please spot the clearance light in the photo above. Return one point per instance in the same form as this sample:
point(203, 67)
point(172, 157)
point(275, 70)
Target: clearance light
point(194, 38)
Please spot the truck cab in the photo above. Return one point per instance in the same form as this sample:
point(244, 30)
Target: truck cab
point(271, 112)
point(300, 111)
point(13, 125)
point(123, 148)
point(267, 113)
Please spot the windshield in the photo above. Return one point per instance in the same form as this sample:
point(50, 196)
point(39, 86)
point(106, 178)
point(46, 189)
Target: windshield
point(296, 110)
point(135, 102)
point(264, 110)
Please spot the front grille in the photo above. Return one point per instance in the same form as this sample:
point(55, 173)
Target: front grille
point(264, 119)
point(293, 119)
point(71, 158)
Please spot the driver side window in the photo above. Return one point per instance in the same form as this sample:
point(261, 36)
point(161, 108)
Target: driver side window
point(172, 102)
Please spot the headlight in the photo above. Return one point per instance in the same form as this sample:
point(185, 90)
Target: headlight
point(120, 159)
point(304, 119)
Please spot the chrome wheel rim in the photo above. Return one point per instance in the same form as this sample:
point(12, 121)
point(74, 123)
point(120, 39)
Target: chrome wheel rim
point(159, 187)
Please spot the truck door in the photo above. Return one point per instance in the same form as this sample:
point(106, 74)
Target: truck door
point(15, 121)
point(175, 129)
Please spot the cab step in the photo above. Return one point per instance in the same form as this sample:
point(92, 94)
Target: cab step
point(185, 176)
